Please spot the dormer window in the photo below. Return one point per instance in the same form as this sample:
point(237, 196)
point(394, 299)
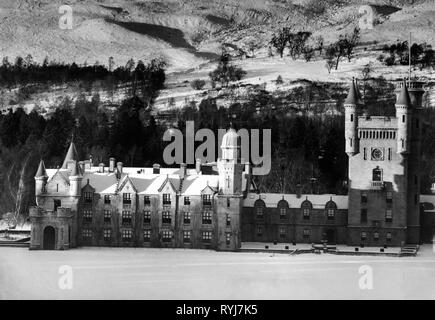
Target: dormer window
point(206, 199)
point(126, 198)
point(146, 200)
point(166, 198)
point(88, 197)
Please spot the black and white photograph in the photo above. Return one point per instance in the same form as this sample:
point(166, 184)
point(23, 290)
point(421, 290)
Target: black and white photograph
point(217, 150)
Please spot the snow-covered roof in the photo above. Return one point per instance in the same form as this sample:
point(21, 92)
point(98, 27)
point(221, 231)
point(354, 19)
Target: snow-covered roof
point(317, 200)
point(144, 180)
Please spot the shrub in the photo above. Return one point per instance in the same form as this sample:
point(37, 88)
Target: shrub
point(197, 84)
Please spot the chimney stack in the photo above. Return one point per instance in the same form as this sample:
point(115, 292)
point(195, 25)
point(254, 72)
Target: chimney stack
point(82, 166)
point(111, 164)
point(182, 170)
point(156, 168)
point(119, 166)
point(198, 165)
point(298, 191)
point(101, 168)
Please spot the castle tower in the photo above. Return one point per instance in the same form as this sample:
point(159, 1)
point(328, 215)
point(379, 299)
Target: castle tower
point(70, 157)
point(229, 198)
point(40, 180)
point(351, 120)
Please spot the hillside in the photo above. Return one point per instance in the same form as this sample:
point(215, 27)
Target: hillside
point(189, 35)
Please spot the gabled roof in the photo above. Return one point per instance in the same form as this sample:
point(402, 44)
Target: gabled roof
point(41, 173)
point(124, 181)
point(70, 155)
point(404, 99)
point(172, 182)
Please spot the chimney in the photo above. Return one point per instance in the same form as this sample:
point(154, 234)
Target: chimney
point(101, 168)
point(247, 168)
point(156, 168)
point(91, 160)
point(111, 164)
point(298, 191)
point(82, 166)
point(198, 165)
point(182, 170)
point(119, 166)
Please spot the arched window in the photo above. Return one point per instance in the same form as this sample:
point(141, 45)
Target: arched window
point(282, 208)
point(306, 208)
point(259, 206)
point(377, 174)
point(330, 208)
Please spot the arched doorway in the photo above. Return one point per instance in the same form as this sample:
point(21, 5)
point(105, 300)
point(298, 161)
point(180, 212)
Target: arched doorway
point(49, 238)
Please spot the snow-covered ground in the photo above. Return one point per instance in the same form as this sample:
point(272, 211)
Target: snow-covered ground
point(121, 273)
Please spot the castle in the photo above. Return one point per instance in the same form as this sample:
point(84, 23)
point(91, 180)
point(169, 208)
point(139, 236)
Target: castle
point(217, 206)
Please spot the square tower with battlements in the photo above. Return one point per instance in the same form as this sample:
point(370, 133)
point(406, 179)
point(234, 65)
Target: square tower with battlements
point(384, 162)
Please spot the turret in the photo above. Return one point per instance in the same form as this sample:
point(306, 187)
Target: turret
point(70, 157)
point(230, 167)
point(403, 114)
point(351, 120)
point(75, 180)
point(40, 179)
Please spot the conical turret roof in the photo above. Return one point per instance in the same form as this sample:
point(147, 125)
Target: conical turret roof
point(70, 155)
point(404, 99)
point(352, 96)
point(41, 170)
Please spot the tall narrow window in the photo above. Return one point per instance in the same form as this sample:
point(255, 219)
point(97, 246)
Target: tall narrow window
point(389, 215)
point(363, 197)
point(351, 117)
point(363, 236)
point(363, 217)
point(365, 153)
point(166, 198)
point(377, 174)
point(186, 217)
point(403, 118)
point(147, 217)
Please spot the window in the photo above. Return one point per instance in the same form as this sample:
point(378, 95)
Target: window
point(259, 231)
point(363, 236)
point(403, 118)
point(166, 217)
point(282, 232)
point(351, 118)
point(147, 217)
point(363, 197)
point(107, 215)
point(389, 197)
point(57, 204)
point(206, 236)
point(106, 199)
point(306, 208)
point(228, 219)
point(228, 238)
point(259, 213)
point(146, 235)
point(186, 217)
point(126, 234)
point(88, 197)
point(363, 215)
point(228, 202)
point(415, 198)
point(331, 214)
point(376, 236)
point(365, 153)
point(126, 217)
point(186, 201)
point(146, 200)
point(206, 217)
point(126, 198)
point(167, 235)
point(107, 234)
point(87, 215)
point(166, 198)
point(389, 236)
point(86, 233)
point(389, 154)
point(186, 236)
point(388, 215)
point(307, 233)
point(206, 199)
point(282, 213)
point(377, 174)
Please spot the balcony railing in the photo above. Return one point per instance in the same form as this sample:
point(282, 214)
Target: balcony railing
point(377, 184)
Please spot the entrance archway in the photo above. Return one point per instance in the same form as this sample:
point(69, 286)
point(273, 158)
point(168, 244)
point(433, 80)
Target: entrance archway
point(49, 238)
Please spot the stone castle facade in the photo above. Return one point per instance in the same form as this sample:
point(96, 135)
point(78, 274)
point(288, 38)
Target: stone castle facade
point(216, 205)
